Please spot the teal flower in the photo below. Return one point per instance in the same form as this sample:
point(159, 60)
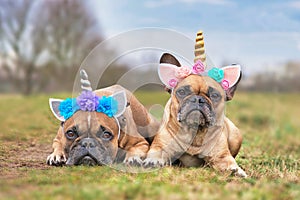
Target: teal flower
point(217, 74)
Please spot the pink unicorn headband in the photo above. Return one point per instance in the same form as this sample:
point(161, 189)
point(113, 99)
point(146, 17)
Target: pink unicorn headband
point(171, 74)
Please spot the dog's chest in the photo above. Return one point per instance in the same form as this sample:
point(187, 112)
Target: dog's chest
point(202, 143)
point(197, 144)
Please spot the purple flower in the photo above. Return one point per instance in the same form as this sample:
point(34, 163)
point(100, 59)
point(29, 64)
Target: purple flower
point(198, 67)
point(87, 101)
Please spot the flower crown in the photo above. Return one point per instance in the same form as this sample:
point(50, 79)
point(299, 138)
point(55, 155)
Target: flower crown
point(171, 74)
point(88, 101)
point(112, 106)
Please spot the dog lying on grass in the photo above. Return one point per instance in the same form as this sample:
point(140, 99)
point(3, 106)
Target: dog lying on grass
point(194, 127)
point(99, 127)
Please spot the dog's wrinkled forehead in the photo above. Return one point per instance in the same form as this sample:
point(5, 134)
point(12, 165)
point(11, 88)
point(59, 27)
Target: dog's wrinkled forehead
point(198, 84)
point(90, 122)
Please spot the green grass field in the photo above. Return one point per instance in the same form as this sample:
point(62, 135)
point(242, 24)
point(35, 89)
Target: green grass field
point(270, 155)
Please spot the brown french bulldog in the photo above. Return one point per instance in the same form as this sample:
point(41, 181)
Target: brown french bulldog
point(101, 127)
point(194, 128)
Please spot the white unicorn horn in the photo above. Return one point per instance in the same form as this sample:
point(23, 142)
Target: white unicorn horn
point(84, 80)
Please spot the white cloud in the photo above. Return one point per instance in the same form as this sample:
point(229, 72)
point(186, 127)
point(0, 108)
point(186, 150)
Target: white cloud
point(298, 46)
point(149, 20)
point(162, 3)
point(156, 4)
point(294, 4)
point(212, 2)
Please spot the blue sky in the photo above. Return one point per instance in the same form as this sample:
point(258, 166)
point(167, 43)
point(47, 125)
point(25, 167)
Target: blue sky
point(261, 35)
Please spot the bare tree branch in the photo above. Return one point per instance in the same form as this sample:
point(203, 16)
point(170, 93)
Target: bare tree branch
point(36, 35)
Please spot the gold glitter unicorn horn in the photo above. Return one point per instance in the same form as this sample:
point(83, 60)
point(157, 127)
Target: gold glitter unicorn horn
point(199, 48)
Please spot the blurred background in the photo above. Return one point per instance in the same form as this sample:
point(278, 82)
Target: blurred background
point(44, 42)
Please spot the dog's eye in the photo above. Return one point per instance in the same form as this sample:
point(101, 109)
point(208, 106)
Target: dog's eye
point(215, 96)
point(181, 92)
point(70, 134)
point(106, 135)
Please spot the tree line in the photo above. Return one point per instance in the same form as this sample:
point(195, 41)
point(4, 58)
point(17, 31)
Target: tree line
point(42, 43)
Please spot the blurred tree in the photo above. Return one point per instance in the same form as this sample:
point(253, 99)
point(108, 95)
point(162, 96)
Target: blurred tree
point(14, 17)
point(44, 42)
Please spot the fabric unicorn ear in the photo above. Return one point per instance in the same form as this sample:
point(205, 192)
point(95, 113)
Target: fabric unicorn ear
point(233, 75)
point(120, 97)
point(167, 74)
point(54, 106)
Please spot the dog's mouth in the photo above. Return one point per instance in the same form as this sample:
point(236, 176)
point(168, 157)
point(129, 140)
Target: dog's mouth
point(89, 157)
point(87, 160)
point(83, 158)
point(197, 117)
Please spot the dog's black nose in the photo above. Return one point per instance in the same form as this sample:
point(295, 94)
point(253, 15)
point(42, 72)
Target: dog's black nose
point(198, 99)
point(201, 99)
point(88, 143)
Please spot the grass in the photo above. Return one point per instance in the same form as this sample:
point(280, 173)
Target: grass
point(270, 155)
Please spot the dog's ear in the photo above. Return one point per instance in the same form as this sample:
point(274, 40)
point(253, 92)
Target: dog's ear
point(169, 58)
point(233, 75)
point(54, 105)
point(120, 97)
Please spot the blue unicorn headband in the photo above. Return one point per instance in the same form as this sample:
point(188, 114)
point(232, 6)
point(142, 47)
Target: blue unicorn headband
point(112, 106)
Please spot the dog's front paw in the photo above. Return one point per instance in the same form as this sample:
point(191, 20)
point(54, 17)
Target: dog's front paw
point(56, 159)
point(133, 161)
point(155, 162)
point(237, 171)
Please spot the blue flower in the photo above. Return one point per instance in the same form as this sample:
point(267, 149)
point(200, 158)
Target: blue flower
point(108, 106)
point(217, 74)
point(68, 107)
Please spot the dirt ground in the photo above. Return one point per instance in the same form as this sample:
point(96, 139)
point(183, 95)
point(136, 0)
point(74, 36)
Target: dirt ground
point(14, 156)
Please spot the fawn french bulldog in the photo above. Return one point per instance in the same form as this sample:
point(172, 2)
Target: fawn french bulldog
point(194, 128)
point(96, 125)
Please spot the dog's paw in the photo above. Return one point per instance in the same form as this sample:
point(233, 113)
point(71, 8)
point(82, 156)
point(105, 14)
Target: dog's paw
point(133, 161)
point(56, 159)
point(155, 162)
point(237, 171)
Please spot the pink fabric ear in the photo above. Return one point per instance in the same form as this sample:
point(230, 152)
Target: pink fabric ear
point(232, 74)
point(167, 74)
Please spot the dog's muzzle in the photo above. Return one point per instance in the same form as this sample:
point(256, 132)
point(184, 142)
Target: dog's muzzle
point(196, 112)
point(86, 152)
point(88, 161)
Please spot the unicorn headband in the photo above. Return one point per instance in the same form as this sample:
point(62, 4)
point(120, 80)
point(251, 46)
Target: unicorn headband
point(226, 76)
point(113, 106)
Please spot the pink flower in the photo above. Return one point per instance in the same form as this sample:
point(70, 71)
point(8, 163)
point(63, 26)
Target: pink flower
point(182, 72)
point(172, 83)
point(198, 67)
point(225, 84)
